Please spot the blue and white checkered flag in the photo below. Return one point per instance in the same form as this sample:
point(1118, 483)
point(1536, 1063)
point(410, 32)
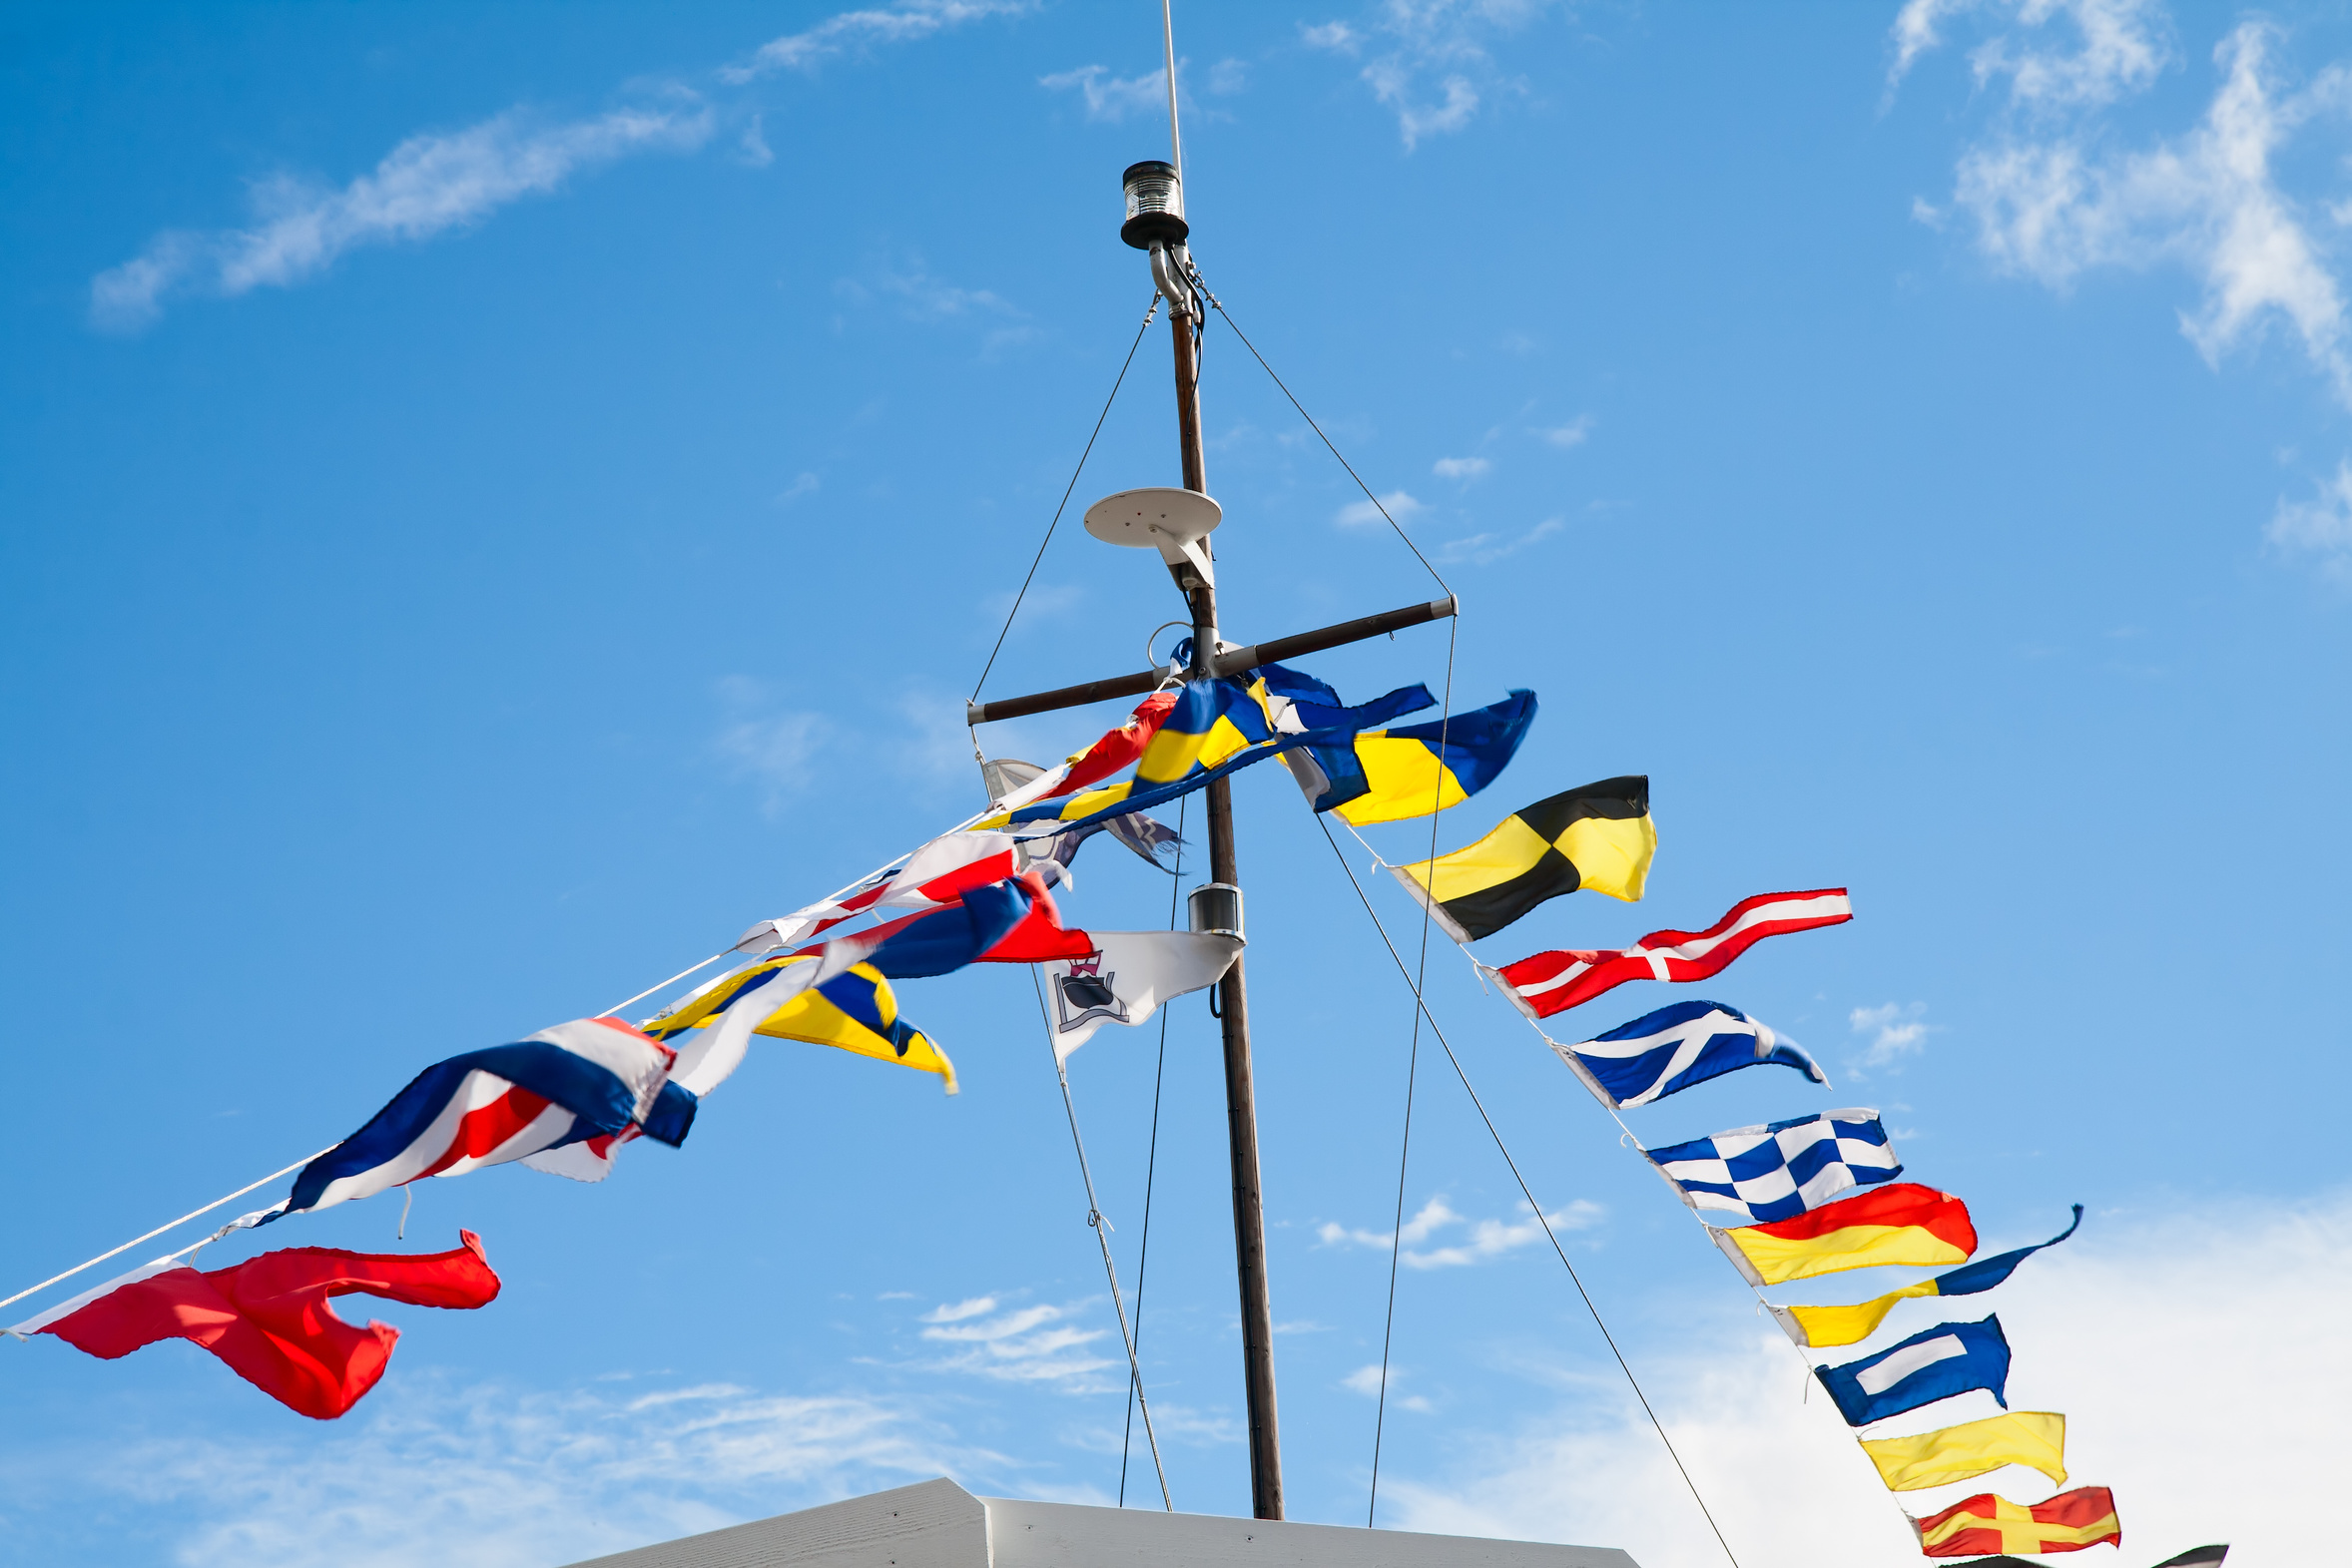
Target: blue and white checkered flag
point(1754, 1175)
point(1675, 1047)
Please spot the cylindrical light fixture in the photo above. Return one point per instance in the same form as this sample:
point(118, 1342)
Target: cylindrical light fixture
point(1216, 911)
point(1155, 205)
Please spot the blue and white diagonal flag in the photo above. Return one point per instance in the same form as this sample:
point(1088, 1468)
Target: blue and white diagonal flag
point(1933, 1365)
point(1675, 1047)
point(1753, 1175)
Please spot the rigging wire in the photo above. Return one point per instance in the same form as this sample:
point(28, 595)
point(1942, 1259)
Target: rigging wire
point(1101, 1228)
point(1423, 1007)
point(1411, 1072)
point(1151, 1162)
point(1219, 306)
point(1067, 489)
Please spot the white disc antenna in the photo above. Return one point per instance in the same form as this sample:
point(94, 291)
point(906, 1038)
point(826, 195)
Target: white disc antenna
point(1175, 522)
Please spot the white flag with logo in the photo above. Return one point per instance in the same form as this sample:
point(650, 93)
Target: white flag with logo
point(1126, 978)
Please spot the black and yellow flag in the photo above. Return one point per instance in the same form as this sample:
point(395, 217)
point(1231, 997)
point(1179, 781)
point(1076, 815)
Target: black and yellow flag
point(1597, 838)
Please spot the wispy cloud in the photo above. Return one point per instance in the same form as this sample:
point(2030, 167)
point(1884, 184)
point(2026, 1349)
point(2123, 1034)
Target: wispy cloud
point(436, 182)
point(2320, 526)
point(498, 1478)
point(2051, 200)
point(1891, 1031)
point(2237, 1441)
point(1028, 1344)
point(1112, 99)
point(1363, 514)
point(1486, 1239)
point(1574, 433)
point(2104, 50)
point(775, 749)
point(1367, 1380)
point(1486, 549)
point(862, 29)
point(1429, 62)
point(1460, 467)
point(426, 186)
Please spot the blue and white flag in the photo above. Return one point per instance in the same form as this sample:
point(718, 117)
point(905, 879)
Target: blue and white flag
point(1946, 1360)
point(1675, 1047)
point(588, 1079)
point(1755, 1175)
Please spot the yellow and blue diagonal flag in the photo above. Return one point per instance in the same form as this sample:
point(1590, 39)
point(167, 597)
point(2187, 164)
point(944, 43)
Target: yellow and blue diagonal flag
point(855, 1011)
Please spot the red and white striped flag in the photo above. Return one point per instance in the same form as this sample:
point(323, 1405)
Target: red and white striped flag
point(1553, 982)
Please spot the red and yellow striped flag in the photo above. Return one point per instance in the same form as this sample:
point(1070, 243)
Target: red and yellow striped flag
point(1985, 1523)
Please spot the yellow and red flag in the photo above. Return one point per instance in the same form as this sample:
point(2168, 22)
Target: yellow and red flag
point(1985, 1523)
point(1900, 1222)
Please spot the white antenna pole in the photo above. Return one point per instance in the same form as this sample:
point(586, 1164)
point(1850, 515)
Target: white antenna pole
point(1168, 36)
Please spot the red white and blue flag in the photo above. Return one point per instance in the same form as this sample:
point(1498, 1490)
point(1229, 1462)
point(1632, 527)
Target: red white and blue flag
point(588, 1079)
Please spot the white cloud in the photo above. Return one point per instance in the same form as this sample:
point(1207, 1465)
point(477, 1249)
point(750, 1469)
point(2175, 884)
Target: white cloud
point(435, 183)
point(803, 484)
point(495, 1477)
point(2050, 202)
point(424, 186)
point(1363, 514)
point(2107, 48)
point(1033, 1344)
point(1112, 99)
point(1574, 433)
point(895, 24)
point(1434, 64)
point(1227, 77)
point(1460, 467)
point(778, 751)
point(2321, 526)
point(1366, 1380)
point(1486, 549)
point(2210, 1403)
point(1488, 1239)
point(1895, 1032)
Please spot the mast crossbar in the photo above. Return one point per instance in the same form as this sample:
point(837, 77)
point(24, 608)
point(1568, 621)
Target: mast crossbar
point(1231, 661)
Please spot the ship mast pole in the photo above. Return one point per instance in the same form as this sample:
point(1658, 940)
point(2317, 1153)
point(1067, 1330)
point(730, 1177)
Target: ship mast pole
point(1171, 264)
point(1241, 1099)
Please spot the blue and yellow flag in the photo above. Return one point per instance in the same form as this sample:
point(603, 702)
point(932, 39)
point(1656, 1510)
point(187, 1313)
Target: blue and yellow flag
point(1386, 776)
point(1217, 728)
point(855, 1011)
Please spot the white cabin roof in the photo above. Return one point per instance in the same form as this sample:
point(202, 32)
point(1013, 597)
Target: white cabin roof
point(937, 1524)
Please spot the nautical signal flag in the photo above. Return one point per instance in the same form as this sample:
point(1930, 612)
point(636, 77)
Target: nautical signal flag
point(1985, 1523)
point(1668, 1050)
point(268, 1317)
point(853, 1011)
point(1215, 728)
point(1780, 1170)
point(2036, 1439)
point(1388, 776)
point(1824, 1328)
point(1124, 979)
point(1902, 1224)
point(1936, 1363)
point(1553, 982)
point(1598, 838)
point(580, 1080)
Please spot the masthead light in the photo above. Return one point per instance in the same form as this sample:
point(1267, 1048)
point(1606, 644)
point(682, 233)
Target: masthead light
point(1155, 205)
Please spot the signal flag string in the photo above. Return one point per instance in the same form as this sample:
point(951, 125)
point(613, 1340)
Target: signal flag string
point(1102, 1229)
point(1151, 1167)
point(1541, 1218)
point(1067, 490)
point(1379, 1419)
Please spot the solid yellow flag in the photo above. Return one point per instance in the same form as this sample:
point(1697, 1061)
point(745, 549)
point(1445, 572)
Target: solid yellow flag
point(2036, 1439)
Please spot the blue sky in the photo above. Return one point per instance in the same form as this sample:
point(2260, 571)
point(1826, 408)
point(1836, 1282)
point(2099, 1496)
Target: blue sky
point(497, 501)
